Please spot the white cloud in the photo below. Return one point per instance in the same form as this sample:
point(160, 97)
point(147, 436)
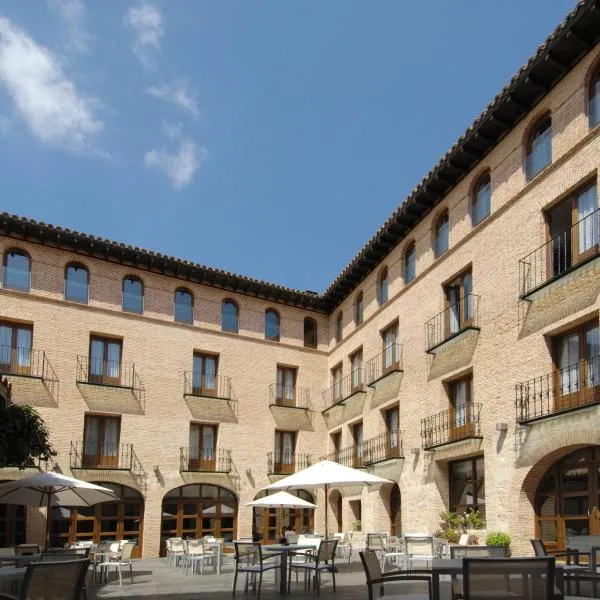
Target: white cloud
point(179, 168)
point(173, 130)
point(147, 23)
point(44, 97)
point(72, 14)
point(177, 93)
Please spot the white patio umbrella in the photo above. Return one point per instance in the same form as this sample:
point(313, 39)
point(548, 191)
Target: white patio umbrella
point(281, 500)
point(53, 489)
point(324, 474)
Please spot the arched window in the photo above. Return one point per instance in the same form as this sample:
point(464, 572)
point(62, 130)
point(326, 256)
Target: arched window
point(184, 306)
point(410, 263)
point(481, 203)
point(339, 327)
point(310, 333)
point(229, 316)
point(440, 240)
point(359, 309)
point(382, 286)
point(133, 295)
point(17, 270)
point(272, 325)
point(594, 100)
point(539, 148)
point(76, 283)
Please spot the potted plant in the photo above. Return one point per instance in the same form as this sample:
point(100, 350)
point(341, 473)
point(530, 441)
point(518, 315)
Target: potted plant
point(450, 527)
point(499, 538)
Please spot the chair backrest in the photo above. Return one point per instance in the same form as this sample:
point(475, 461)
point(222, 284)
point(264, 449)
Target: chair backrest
point(326, 550)
point(374, 541)
point(115, 547)
point(538, 547)
point(463, 540)
point(291, 537)
point(359, 539)
point(478, 551)
point(421, 545)
point(102, 547)
point(370, 564)
point(127, 550)
point(195, 547)
point(177, 545)
point(64, 579)
point(247, 553)
point(508, 577)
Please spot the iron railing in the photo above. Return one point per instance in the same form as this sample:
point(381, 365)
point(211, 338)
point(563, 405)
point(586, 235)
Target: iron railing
point(290, 396)
point(562, 390)
point(286, 463)
point(205, 460)
point(352, 455)
point(387, 361)
point(207, 385)
point(451, 425)
point(385, 446)
point(560, 254)
point(28, 362)
point(454, 319)
point(93, 455)
point(343, 388)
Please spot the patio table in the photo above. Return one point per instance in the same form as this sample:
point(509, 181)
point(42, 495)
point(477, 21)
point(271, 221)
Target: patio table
point(19, 561)
point(285, 549)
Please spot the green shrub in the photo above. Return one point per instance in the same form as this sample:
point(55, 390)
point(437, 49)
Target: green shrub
point(497, 538)
point(450, 535)
point(474, 519)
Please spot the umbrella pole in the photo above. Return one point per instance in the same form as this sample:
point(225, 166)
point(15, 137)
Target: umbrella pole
point(47, 537)
point(326, 503)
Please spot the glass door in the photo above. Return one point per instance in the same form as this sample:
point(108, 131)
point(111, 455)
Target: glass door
point(105, 361)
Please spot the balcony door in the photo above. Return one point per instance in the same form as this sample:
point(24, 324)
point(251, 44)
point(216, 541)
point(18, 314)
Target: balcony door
point(461, 409)
point(101, 441)
point(285, 446)
point(204, 374)
point(577, 367)
point(389, 355)
point(359, 445)
point(459, 303)
point(356, 362)
point(203, 447)
point(392, 425)
point(286, 386)
point(105, 361)
point(336, 377)
point(15, 348)
point(336, 442)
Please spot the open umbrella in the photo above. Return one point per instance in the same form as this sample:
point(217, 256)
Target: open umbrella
point(53, 489)
point(326, 473)
point(281, 500)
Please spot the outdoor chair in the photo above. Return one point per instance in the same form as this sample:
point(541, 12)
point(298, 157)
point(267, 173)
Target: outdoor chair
point(345, 545)
point(315, 564)
point(359, 542)
point(508, 578)
point(378, 543)
point(64, 580)
point(124, 560)
point(419, 549)
point(249, 559)
point(472, 552)
point(572, 556)
point(375, 577)
point(175, 551)
point(197, 555)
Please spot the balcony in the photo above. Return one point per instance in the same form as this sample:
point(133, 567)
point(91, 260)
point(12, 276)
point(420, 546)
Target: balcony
point(291, 407)
point(286, 464)
point(452, 323)
point(383, 364)
point(110, 386)
point(352, 455)
point(203, 461)
point(560, 256)
point(116, 457)
point(343, 389)
point(451, 426)
point(209, 396)
point(32, 378)
point(382, 447)
point(562, 391)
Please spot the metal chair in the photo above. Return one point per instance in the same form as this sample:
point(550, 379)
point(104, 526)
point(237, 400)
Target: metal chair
point(378, 543)
point(419, 548)
point(124, 560)
point(315, 564)
point(63, 580)
point(249, 559)
point(508, 578)
point(472, 552)
point(198, 554)
point(541, 551)
point(375, 577)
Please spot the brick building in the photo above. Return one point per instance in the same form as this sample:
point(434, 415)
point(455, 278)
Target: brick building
point(458, 354)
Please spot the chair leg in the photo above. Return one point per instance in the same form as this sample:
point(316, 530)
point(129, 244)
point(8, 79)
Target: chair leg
point(333, 575)
point(235, 574)
point(131, 572)
point(259, 584)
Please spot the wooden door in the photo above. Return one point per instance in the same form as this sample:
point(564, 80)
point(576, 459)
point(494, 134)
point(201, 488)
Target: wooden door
point(204, 375)
point(203, 444)
point(286, 386)
point(105, 361)
point(15, 348)
point(101, 441)
point(460, 415)
point(285, 442)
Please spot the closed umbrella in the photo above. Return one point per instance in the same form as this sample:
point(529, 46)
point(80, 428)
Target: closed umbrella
point(324, 474)
point(53, 489)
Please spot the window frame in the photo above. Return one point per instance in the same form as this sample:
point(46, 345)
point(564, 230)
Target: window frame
point(281, 397)
point(358, 443)
point(237, 315)
point(314, 333)
point(202, 463)
point(337, 374)
point(280, 466)
point(394, 329)
point(460, 428)
point(339, 327)
point(203, 389)
point(102, 460)
point(16, 252)
point(132, 278)
point(20, 359)
point(483, 181)
point(465, 317)
point(76, 265)
point(356, 371)
point(475, 480)
point(536, 131)
point(593, 97)
point(410, 250)
point(359, 309)
point(442, 218)
point(277, 336)
point(383, 276)
point(183, 290)
point(105, 377)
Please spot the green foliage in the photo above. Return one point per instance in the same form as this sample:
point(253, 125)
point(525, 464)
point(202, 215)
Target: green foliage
point(450, 527)
point(497, 538)
point(24, 437)
point(474, 519)
point(357, 525)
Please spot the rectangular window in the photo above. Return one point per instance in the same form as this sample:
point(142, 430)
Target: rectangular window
point(461, 408)
point(357, 371)
point(467, 485)
point(15, 348)
point(203, 447)
point(101, 441)
point(459, 303)
point(286, 386)
point(105, 361)
point(336, 378)
point(391, 348)
point(392, 426)
point(577, 366)
point(204, 374)
point(359, 447)
point(285, 447)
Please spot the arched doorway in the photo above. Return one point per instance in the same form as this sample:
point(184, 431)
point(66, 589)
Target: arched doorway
point(13, 524)
point(335, 501)
point(395, 511)
point(567, 500)
point(107, 521)
point(193, 511)
point(269, 522)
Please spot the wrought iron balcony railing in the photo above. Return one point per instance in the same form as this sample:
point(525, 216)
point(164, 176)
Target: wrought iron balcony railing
point(451, 425)
point(286, 463)
point(385, 446)
point(205, 460)
point(344, 388)
point(560, 255)
point(563, 390)
point(452, 321)
point(352, 455)
point(384, 363)
point(90, 454)
point(290, 396)
point(28, 362)
point(207, 385)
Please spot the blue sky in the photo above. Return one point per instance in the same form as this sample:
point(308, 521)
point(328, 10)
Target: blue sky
point(266, 137)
